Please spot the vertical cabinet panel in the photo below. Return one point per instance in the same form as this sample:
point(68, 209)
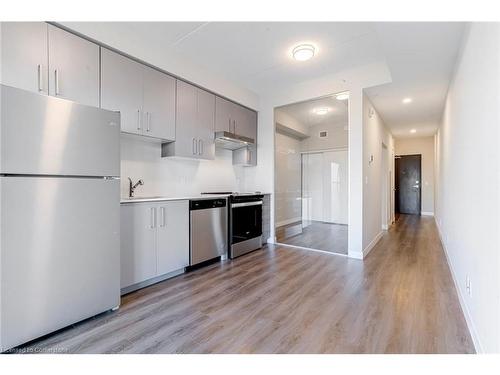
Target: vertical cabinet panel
point(122, 89)
point(73, 67)
point(173, 236)
point(186, 144)
point(24, 55)
point(246, 122)
point(138, 243)
point(159, 104)
point(223, 115)
point(206, 124)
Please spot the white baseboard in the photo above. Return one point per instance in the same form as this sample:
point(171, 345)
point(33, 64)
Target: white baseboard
point(288, 221)
point(355, 255)
point(427, 213)
point(461, 298)
point(372, 244)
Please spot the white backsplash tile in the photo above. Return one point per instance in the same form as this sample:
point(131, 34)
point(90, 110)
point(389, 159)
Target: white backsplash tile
point(141, 159)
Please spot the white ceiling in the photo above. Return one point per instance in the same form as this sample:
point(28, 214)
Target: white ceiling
point(256, 56)
point(304, 112)
point(421, 57)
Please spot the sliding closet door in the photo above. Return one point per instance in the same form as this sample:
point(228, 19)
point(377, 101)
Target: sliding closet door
point(335, 170)
point(312, 188)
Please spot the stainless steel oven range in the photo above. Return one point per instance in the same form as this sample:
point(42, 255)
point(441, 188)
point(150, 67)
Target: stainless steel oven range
point(245, 222)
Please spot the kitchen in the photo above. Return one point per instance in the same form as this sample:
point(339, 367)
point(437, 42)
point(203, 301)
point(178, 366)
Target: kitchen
point(158, 193)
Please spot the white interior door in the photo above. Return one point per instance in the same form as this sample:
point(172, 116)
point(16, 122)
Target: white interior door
point(312, 187)
point(335, 170)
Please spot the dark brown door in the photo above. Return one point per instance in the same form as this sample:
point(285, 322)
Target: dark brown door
point(408, 184)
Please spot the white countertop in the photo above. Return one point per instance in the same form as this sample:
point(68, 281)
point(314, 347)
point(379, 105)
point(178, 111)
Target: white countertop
point(160, 199)
point(166, 198)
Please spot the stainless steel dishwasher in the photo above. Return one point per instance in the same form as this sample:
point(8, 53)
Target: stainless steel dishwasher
point(208, 229)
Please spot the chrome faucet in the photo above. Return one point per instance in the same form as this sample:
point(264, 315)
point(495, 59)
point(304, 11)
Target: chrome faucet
point(133, 186)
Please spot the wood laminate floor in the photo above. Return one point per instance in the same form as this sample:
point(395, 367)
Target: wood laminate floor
point(317, 235)
point(401, 299)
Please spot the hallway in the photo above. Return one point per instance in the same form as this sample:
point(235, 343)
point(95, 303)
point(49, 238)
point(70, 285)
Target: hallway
point(401, 299)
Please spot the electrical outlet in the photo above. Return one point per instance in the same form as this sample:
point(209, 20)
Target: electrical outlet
point(468, 285)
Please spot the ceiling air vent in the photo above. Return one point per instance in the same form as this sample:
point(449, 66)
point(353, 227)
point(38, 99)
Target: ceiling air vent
point(323, 134)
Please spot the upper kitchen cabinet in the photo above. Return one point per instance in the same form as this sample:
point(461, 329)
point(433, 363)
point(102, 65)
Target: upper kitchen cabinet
point(24, 61)
point(122, 89)
point(235, 119)
point(224, 119)
point(144, 96)
point(73, 67)
point(195, 124)
point(159, 104)
point(245, 122)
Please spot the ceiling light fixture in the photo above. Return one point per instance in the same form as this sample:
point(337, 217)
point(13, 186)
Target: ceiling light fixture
point(413, 130)
point(342, 96)
point(321, 111)
point(407, 100)
point(303, 52)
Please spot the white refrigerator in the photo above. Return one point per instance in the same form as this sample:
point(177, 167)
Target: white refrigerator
point(59, 214)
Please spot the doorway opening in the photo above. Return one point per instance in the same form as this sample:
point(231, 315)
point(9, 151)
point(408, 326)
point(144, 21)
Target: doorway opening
point(312, 174)
point(408, 178)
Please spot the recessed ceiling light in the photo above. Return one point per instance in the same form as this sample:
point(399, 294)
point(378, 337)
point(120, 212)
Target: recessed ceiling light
point(342, 96)
point(303, 52)
point(407, 100)
point(413, 130)
point(321, 111)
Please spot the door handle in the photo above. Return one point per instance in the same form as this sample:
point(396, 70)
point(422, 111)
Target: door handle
point(56, 79)
point(152, 218)
point(40, 82)
point(234, 126)
point(163, 217)
point(148, 121)
point(194, 146)
point(138, 119)
point(200, 147)
point(229, 125)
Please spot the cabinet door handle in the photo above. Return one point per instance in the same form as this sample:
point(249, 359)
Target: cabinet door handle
point(56, 79)
point(148, 121)
point(200, 147)
point(234, 126)
point(138, 119)
point(249, 156)
point(163, 217)
point(229, 125)
point(194, 146)
point(153, 218)
point(40, 82)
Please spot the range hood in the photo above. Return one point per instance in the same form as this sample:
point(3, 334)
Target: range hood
point(231, 141)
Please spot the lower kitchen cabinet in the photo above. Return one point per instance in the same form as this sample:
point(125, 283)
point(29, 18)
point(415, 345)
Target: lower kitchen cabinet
point(154, 241)
point(173, 236)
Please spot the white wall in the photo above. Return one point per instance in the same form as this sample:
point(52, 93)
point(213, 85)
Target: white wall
point(374, 134)
point(175, 177)
point(288, 180)
point(425, 147)
point(468, 169)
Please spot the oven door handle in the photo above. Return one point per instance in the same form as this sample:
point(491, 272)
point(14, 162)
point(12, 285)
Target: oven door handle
point(246, 204)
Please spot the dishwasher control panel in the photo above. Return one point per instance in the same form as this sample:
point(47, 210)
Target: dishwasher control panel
point(203, 204)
